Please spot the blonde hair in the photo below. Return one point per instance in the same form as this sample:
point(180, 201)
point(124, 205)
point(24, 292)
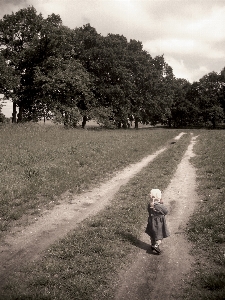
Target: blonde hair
point(156, 193)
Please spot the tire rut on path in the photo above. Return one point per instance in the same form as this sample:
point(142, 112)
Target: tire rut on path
point(27, 244)
point(162, 276)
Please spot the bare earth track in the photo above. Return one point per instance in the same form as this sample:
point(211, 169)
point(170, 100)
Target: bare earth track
point(27, 244)
point(161, 276)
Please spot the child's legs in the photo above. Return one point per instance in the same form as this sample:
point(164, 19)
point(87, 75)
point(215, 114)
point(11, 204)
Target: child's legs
point(152, 240)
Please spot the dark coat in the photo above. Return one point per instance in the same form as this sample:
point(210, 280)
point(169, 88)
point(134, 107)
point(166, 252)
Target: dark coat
point(157, 228)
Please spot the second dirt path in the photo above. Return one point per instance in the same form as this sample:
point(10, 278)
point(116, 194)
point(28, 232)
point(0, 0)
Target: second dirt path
point(162, 276)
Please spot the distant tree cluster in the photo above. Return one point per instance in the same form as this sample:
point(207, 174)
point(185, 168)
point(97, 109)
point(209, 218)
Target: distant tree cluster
point(73, 75)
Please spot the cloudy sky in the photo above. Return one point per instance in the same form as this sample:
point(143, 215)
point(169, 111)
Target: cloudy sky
point(189, 33)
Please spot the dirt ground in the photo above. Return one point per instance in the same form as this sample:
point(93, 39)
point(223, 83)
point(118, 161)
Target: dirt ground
point(162, 276)
point(24, 244)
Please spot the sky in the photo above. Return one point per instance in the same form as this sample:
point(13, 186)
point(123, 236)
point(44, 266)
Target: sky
point(189, 33)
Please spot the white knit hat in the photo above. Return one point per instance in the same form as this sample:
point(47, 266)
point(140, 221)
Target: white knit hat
point(156, 193)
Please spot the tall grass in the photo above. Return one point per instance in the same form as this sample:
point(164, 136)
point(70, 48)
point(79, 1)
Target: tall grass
point(85, 264)
point(207, 225)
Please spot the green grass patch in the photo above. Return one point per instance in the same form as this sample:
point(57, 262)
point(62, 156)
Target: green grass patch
point(39, 163)
point(85, 264)
point(207, 225)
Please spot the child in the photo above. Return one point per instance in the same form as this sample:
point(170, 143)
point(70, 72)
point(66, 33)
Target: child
point(156, 227)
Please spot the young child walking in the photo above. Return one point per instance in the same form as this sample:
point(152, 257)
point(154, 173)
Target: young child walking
point(156, 228)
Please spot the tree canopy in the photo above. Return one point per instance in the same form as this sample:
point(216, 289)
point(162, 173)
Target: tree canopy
point(50, 70)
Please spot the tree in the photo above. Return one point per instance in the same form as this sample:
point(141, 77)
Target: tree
point(8, 81)
point(8, 78)
point(64, 87)
point(139, 64)
point(2, 116)
point(30, 43)
point(51, 41)
point(102, 57)
point(159, 91)
point(181, 108)
point(209, 90)
point(192, 97)
point(222, 89)
point(16, 32)
point(47, 68)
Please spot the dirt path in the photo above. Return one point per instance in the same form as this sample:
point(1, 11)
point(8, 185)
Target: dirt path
point(162, 276)
point(26, 244)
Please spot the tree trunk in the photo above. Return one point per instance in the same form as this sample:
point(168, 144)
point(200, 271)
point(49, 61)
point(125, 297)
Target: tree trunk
point(84, 121)
point(136, 123)
point(20, 115)
point(66, 119)
point(14, 113)
point(124, 125)
point(213, 123)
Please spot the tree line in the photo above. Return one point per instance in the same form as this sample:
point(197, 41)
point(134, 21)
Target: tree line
point(72, 75)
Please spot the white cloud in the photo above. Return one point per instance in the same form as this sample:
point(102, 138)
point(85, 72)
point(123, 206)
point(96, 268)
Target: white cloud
point(124, 17)
point(169, 46)
point(209, 27)
point(184, 47)
point(182, 70)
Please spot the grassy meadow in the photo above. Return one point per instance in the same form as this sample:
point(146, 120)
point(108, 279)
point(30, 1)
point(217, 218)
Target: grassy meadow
point(207, 226)
point(40, 163)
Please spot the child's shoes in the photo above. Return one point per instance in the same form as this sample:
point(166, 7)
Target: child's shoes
point(156, 248)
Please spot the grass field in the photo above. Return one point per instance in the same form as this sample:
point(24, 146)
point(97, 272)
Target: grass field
point(207, 226)
point(38, 164)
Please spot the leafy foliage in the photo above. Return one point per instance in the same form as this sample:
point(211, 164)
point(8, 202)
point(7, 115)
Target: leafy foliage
point(48, 68)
